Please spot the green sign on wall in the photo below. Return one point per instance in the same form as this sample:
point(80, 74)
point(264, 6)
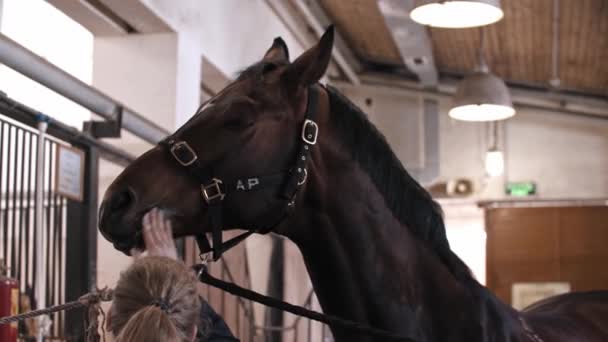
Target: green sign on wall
point(521, 188)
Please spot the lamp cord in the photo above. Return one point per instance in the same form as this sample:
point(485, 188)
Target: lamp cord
point(493, 135)
point(483, 66)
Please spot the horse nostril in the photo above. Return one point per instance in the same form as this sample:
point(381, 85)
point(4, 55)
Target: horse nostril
point(120, 201)
point(113, 216)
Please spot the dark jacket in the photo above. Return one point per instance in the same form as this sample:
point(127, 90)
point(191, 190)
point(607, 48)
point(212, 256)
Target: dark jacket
point(212, 327)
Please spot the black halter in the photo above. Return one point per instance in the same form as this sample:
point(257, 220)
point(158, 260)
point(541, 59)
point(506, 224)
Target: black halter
point(214, 189)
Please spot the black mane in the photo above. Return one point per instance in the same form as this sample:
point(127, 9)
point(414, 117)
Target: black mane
point(411, 204)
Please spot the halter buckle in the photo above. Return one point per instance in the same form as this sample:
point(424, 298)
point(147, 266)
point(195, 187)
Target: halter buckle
point(213, 191)
point(310, 136)
point(175, 151)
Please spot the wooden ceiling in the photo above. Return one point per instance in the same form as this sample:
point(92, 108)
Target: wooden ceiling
point(517, 48)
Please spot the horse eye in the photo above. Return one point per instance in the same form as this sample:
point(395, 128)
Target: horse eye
point(238, 120)
point(269, 67)
point(239, 115)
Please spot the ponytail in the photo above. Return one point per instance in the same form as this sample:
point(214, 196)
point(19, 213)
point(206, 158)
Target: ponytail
point(156, 299)
point(150, 324)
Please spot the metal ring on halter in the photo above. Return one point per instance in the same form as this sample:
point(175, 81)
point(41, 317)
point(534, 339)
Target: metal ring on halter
point(303, 178)
point(206, 257)
point(201, 271)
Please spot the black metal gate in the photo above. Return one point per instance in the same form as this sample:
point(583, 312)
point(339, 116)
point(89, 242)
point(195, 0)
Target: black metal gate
point(18, 145)
point(69, 231)
point(69, 227)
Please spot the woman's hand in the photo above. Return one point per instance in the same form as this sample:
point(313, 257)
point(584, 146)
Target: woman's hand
point(158, 235)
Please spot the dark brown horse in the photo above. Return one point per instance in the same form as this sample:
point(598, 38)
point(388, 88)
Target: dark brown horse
point(372, 238)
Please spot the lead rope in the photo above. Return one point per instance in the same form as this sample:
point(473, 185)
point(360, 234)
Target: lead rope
point(331, 320)
point(92, 301)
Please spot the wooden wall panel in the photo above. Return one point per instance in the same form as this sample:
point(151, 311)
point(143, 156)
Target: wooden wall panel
point(549, 244)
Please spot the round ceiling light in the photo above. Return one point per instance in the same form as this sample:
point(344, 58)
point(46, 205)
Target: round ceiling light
point(457, 14)
point(482, 97)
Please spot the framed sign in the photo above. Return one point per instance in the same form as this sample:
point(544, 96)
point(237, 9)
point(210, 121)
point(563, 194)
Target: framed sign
point(524, 294)
point(69, 172)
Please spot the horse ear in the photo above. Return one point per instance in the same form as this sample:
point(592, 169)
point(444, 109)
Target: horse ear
point(278, 51)
point(312, 64)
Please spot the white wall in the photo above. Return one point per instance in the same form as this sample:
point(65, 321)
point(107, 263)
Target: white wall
point(232, 33)
point(36, 25)
point(566, 156)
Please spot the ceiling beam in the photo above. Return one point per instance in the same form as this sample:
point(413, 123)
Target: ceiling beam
point(137, 14)
point(583, 106)
point(318, 20)
point(411, 39)
point(99, 22)
point(112, 17)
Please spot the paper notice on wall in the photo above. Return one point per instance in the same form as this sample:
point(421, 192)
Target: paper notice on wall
point(69, 172)
point(525, 294)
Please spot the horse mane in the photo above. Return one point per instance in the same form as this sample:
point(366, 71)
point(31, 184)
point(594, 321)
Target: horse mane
point(411, 204)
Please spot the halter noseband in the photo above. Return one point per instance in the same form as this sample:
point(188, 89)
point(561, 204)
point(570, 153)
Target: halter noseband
point(214, 189)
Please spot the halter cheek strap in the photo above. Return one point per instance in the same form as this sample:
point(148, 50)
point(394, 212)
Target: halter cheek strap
point(214, 189)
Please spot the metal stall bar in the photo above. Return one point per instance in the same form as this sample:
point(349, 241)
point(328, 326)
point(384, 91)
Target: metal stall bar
point(1, 10)
point(81, 230)
point(28, 116)
point(39, 268)
point(3, 189)
point(33, 66)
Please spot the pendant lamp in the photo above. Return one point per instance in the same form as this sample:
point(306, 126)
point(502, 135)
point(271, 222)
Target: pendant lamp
point(482, 96)
point(457, 14)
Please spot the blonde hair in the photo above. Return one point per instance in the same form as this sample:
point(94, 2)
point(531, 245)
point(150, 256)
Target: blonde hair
point(156, 299)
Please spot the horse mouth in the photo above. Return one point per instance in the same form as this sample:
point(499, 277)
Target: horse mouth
point(128, 245)
point(132, 244)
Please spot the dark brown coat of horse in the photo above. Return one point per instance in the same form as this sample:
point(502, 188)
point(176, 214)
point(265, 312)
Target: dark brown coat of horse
point(372, 238)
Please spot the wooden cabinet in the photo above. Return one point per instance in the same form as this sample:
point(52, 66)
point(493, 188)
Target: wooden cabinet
point(546, 244)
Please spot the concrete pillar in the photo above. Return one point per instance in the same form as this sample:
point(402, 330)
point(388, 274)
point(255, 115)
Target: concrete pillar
point(1, 8)
point(157, 75)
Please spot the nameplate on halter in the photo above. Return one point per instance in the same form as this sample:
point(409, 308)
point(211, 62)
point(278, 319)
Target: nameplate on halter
point(69, 172)
point(247, 184)
point(525, 294)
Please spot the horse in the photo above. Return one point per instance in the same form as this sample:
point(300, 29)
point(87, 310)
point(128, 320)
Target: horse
point(278, 151)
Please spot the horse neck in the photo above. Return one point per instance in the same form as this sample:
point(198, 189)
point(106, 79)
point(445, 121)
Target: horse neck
point(366, 266)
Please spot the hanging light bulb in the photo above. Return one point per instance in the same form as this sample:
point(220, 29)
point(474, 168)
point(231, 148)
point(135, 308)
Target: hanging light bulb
point(495, 161)
point(457, 14)
point(482, 96)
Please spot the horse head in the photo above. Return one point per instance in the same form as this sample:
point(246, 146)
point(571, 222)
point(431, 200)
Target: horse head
point(240, 148)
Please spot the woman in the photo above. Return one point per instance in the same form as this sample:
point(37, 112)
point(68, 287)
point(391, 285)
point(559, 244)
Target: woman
point(156, 298)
